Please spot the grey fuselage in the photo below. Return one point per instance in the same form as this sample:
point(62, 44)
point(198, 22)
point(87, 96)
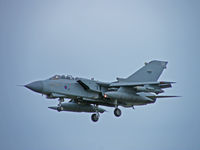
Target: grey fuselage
point(93, 92)
point(140, 88)
point(137, 89)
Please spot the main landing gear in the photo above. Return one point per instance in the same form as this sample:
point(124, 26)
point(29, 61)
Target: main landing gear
point(117, 112)
point(95, 116)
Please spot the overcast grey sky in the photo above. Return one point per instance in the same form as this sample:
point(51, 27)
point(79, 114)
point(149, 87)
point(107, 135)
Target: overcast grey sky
point(101, 39)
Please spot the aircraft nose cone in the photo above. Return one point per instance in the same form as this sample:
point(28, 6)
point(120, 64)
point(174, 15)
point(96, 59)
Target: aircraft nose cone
point(35, 86)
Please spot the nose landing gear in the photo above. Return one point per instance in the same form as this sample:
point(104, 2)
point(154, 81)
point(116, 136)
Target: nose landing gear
point(60, 108)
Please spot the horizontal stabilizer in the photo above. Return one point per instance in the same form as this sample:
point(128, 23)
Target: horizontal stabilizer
point(162, 96)
point(119, 84)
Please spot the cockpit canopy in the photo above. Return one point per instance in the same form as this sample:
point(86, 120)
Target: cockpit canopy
point(56, 77)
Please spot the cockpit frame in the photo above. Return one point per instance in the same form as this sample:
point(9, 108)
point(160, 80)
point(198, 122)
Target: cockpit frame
point(56, 77)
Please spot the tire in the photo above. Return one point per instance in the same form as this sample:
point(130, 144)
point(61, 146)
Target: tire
point(59, 109)
point(117, 112)
point(94, 117)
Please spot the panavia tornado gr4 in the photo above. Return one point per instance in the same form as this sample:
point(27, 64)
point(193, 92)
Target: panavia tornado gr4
point(86, 95)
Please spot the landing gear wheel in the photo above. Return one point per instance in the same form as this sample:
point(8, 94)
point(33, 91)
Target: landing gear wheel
point(59, 109)
point(95, 117)
point(117, 112)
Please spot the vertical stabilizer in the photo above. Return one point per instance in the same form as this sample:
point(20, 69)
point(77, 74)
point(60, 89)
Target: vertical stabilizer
point(150, 72)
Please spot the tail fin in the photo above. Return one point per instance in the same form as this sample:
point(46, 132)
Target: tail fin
point(150, 72)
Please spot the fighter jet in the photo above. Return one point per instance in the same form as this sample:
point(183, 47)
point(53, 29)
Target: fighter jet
point(86, 95)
